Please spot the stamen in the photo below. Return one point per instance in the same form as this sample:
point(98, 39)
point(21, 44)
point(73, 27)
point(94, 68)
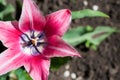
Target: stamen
point(33, 42)
point(37, 49)
point(32, 34)
point(22, 38)
point(41, 43)
point(40, 35)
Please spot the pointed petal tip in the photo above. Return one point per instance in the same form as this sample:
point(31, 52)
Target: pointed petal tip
point(59, 48)
point(68, 11)
point(58, 22)
point(31, 17)
point(78, 55)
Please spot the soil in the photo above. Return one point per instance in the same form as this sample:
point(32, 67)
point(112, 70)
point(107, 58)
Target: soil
point(103, 64)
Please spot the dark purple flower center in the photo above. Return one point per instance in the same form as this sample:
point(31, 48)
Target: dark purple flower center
point(33, 42)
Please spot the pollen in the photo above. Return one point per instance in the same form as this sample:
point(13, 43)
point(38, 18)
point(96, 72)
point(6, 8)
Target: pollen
point(34, 41)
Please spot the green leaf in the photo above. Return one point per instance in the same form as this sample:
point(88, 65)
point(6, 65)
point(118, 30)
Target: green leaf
point(94, 47)
point(99, 34)
point(87, 44)
point(87, 13)
point(95, 37)
point(57, 62)
point(7, 12)
point(22, 74)
point(72, 35)
point(3, 2)
point(4, 77)
point(89, 28)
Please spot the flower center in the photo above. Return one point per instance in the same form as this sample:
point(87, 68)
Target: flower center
point(33, 42)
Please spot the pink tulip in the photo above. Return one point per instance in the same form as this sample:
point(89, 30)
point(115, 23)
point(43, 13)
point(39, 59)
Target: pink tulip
point(33, 40)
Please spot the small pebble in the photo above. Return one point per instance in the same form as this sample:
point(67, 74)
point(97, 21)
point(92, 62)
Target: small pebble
point(67, 66)
point(85, 2)
point(79, 78)
point(95, 7)
point(73, 75)
point(67, 73)
point(12, 76)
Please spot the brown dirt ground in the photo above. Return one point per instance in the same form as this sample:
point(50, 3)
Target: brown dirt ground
point(102, 64)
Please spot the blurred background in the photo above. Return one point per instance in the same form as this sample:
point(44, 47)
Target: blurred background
point(102, 63)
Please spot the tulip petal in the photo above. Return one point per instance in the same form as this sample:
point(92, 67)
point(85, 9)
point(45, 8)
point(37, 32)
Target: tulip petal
point(58, 48)
point(10, 60)
point(31, 18)
point(38, 67)
point(9, 33)
point(58, 22)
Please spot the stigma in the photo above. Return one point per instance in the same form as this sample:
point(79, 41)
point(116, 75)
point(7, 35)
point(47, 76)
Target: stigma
point(33, 42)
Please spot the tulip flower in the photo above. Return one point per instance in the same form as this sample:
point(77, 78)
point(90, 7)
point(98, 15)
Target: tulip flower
point(33, 40)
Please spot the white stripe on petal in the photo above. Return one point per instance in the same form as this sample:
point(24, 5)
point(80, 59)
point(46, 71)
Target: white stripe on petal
point(9, 61)
point(61, 49)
